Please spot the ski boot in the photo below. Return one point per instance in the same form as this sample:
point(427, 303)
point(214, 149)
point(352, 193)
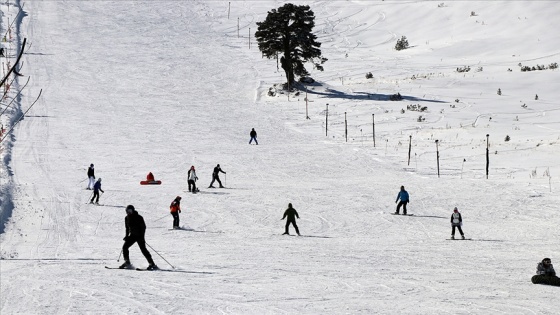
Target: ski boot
point(125, 265)
point(452, 237)
point(152, 266)
point(463, 236)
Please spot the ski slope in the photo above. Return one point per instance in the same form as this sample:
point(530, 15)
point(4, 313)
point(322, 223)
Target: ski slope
point(136, 87)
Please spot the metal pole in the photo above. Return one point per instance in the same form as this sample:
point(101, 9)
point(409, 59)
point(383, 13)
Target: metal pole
point(409, 148)
point(373, 120)
point(160, 255)
point(437, 154)
point(345, 127)
point(487, 154)
point(327, 120)
point(118, 259)
point(306, 106)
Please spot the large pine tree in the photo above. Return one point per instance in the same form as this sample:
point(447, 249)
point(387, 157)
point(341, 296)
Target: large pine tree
point(288, 31)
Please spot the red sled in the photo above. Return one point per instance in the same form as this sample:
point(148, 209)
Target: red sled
point(150, 182)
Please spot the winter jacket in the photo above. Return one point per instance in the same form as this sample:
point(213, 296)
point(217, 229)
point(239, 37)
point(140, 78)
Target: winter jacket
point(403, 196)
point(546, 271)
point(97, 186)
point(291, 213)
point(135, 226)
point(150, 177)
point(90, 172)
point(175, 206)
point(456, 219)
point(191, 175)
point(217, 169)
point(253, 133)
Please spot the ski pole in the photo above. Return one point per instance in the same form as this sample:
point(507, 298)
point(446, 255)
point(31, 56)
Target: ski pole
point(160, 255)
point(120, 255)
point(161, 218)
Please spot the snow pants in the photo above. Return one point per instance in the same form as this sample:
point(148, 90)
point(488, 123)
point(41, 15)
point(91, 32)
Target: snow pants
point(130, 240)
point(403, 204)
point(95, 195)
point(293, 222)
point(175, 219)
point(192, 185)
point(216, 178)
point(542, 279)
point(453, 226)
point(253, 138)
point(91, 182)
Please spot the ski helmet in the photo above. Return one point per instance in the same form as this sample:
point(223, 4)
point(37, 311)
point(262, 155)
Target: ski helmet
point(129, 209)
point(99, 180)
point(91, 165)
point(455, 209)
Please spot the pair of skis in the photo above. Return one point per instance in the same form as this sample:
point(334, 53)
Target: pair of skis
point(139, 269)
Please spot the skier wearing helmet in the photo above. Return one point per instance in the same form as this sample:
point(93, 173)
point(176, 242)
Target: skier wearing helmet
point(135, 233)
point(96, 189)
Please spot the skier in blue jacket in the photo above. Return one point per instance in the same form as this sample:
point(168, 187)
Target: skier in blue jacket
point(96, 189)
point(403, 196)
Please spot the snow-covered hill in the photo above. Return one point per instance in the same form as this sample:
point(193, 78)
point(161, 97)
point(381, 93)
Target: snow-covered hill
point(159, 86)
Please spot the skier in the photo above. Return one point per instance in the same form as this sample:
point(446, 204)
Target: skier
point(253, 135)
point(546, 274)
point(192, 178)
point(456, 222)
point(216, 176)
point(91, 177)
point(175, 209)
point(96, 189)
point(135, 232)
point(291, 213)
point(403, 196)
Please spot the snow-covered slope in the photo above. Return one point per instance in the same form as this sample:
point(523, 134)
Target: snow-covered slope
point(159, 86)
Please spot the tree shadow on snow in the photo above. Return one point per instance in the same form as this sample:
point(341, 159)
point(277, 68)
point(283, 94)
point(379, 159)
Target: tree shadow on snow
point(331, 93)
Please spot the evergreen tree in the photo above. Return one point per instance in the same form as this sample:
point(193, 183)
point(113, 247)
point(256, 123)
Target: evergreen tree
point(287, 31)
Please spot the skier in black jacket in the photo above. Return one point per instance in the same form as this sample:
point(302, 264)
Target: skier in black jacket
point(135, 231)
point(291, 213)
point(91, 177)
point(216, 176)
point(253, 135)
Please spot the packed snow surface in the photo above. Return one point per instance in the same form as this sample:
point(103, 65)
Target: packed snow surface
point(157, 86)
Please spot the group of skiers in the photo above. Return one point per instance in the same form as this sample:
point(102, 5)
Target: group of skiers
point(135, 226)
point(456, 219)
point(95, 185)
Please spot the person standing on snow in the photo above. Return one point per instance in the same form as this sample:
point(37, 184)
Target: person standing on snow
point(253, 135)
point(216, 176)
point(191, 176)
point(291, 213)
point(456, 222)
point(96, 189)
point(91, 177)
point(135, 233)
point(403, 196)
point(175, 209)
